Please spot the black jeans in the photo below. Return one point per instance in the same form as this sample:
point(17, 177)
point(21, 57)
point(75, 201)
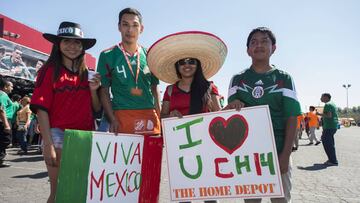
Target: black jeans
point(328, 141)
point(5, 139)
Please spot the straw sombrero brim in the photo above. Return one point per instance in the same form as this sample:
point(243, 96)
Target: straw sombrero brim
point(86, 42)
point(163, 54)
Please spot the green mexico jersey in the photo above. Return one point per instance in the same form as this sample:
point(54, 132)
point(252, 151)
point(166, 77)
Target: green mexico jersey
point(115, 73)
point(274, 88)
point(6, 104)
point(330, 123)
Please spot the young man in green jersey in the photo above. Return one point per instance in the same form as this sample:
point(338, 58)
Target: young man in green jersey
point(264, 84)
point(6, 112)
point(123, 68)
point(330, 122)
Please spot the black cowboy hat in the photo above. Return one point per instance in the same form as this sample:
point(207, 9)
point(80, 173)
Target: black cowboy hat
point(70, 30)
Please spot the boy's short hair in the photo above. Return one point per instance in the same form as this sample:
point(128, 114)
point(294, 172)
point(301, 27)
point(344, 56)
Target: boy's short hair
point(264, 30)
point(132, 11)
point(327, 95)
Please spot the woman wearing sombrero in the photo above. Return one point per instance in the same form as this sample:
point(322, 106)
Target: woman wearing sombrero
point(63, 97)
point(186, 60)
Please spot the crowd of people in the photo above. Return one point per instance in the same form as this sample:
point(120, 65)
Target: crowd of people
point(124, 92)
point(19, 126)
point(308, 123)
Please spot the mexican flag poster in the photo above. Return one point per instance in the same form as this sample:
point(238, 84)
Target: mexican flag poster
point(102, 167)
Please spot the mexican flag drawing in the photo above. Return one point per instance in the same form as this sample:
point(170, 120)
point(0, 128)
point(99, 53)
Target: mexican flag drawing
point(101, 167)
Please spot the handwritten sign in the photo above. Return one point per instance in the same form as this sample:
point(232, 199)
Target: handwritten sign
point(101, 167)
point(228, 154)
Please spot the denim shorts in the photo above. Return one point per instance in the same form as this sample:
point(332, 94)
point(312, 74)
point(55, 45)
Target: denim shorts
point(57, 136)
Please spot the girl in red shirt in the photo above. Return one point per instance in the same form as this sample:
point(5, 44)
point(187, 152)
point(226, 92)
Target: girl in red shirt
point(192, 94)
point(63, 97)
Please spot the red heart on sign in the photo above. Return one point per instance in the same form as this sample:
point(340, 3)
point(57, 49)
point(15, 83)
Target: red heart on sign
point(229, 134)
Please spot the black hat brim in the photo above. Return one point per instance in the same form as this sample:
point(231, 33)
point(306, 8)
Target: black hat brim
point(86, 42)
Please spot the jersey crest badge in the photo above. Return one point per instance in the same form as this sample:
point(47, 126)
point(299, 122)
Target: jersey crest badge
point(258, 92)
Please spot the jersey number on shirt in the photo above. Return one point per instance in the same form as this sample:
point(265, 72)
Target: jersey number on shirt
point(122, 70)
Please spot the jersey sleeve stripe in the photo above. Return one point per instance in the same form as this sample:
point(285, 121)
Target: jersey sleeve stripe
point(289, 93)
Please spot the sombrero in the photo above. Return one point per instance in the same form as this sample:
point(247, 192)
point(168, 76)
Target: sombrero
point(164, 53)
point(70, 30)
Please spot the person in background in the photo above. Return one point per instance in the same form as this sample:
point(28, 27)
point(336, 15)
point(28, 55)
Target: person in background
point(265, 84)
point(39, 64)
point(134, 107)
point(330, 122)
point(35, 70)
point(5, 117)
point(15, 98)
point(63, 97)
point(299, 126)
point(23, 123)
point(313, 124)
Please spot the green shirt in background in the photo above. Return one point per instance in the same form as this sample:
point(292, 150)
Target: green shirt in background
point(6, 104)
point(330, 123)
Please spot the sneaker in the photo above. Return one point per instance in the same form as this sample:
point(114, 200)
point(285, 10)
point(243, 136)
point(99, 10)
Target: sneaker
point(294, 149)
point(329, 163)
point(2, 156)
point(310, 143)
point(317, 143)
point(3, 165)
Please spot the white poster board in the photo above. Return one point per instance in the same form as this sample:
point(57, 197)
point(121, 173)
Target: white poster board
point(116, 165)
point(226, 154)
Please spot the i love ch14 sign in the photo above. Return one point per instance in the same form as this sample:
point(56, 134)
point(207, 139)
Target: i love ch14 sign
point(226, 154)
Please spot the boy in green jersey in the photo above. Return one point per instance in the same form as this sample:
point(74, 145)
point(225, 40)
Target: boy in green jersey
point(123, 68)
point(264, 84)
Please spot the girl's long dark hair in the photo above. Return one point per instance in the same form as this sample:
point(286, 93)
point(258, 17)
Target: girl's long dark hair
point(199, 89)
point(55, 61)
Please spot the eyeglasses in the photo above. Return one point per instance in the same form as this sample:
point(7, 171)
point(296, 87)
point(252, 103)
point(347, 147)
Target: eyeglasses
point(189, 61)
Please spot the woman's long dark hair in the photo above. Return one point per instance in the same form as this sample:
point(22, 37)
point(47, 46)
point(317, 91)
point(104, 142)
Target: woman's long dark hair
point(199, 89)
point(55, 60)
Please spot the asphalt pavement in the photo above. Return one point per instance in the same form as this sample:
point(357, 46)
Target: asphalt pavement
point(26, 180)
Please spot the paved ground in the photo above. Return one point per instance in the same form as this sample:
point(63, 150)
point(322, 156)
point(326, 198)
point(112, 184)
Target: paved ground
point(26, 180)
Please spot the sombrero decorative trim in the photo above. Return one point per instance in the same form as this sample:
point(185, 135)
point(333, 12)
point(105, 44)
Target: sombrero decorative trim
point(70, 30)
point(164, 53)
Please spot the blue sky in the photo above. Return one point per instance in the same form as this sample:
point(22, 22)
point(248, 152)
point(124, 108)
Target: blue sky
point(317, 40)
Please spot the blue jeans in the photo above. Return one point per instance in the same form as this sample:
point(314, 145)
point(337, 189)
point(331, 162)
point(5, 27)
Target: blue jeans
point(21, 136)
point(329, 144)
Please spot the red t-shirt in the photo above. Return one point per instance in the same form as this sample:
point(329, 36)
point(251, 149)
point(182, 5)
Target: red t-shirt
point(180, 100)
point(67, 101)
